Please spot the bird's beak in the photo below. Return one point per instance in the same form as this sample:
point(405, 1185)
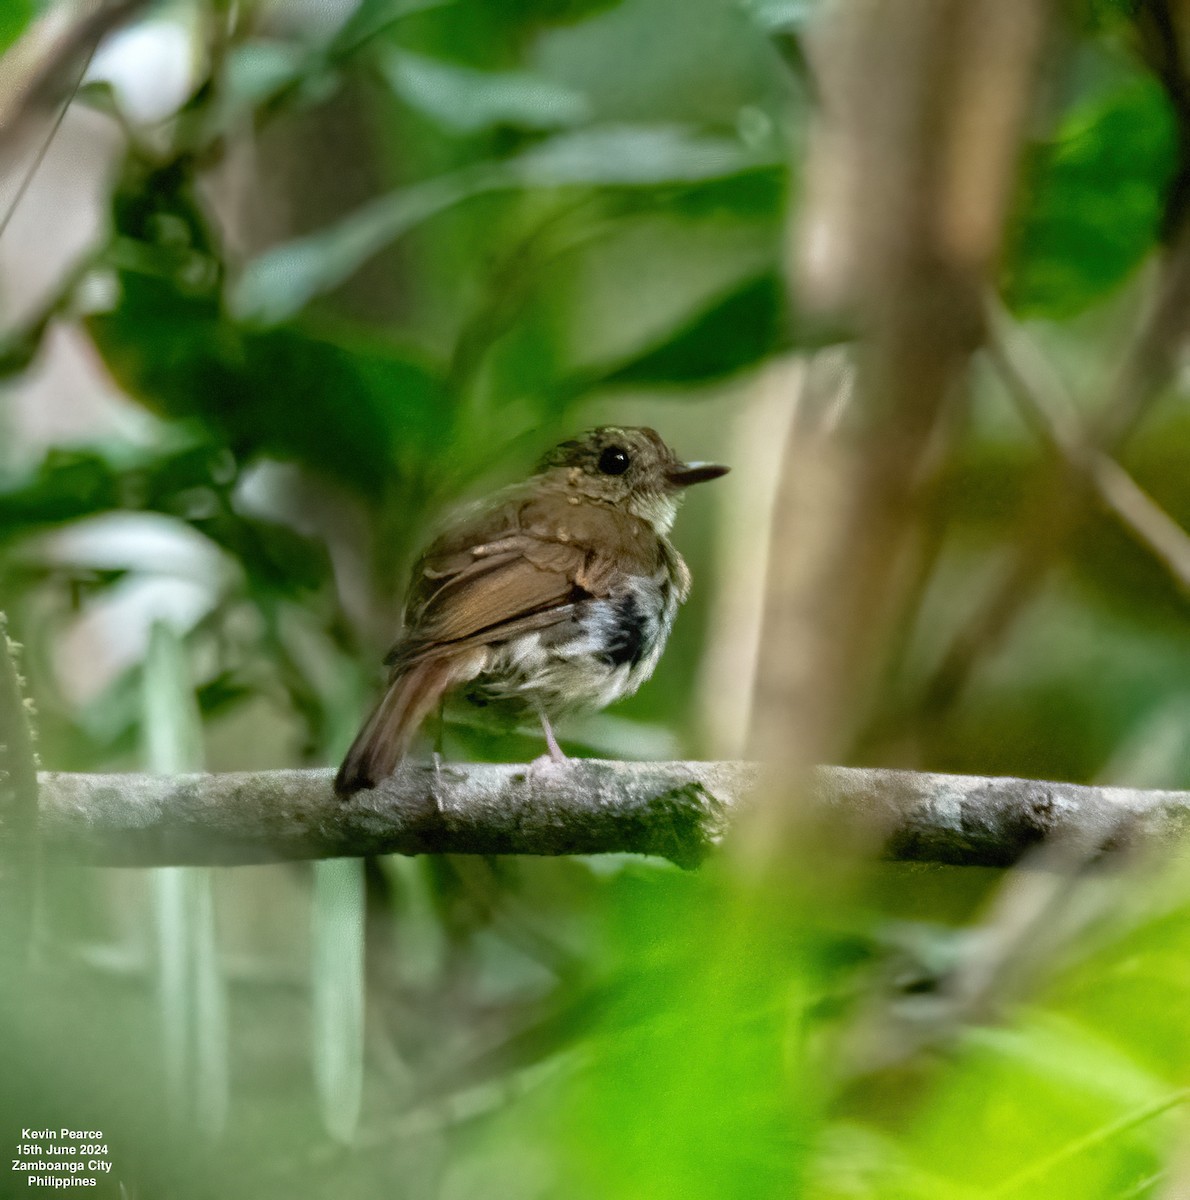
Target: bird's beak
point(684, 474)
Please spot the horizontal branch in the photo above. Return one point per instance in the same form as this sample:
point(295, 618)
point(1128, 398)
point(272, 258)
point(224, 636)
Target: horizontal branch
point(675, 810)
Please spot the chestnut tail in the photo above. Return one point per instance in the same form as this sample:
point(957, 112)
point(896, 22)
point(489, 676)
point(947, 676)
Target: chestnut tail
point(388, 733)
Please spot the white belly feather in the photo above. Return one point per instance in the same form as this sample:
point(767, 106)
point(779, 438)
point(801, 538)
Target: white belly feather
point(603, 651)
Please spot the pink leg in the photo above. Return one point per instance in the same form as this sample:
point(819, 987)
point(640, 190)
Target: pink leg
point(556, 754)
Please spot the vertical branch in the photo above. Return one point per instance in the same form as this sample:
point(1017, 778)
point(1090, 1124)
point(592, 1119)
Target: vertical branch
point(731, 659)
point(19, 851)
point(910, 174)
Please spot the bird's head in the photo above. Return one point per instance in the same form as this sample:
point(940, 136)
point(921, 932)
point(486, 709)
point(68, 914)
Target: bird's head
point(630, 467)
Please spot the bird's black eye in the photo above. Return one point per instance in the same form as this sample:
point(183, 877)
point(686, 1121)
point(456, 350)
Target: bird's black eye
point(614, 460)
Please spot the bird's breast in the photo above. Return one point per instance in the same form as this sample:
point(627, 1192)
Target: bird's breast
point(605, 648)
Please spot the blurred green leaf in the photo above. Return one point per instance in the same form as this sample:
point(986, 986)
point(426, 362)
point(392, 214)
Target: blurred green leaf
point(737, 331)
point(282, 281)
point(255, 70)
point(371, 18)
point(761, 193)
point(632, 156)
point(353, 410)
point(466, 100)
point(563, 11)
point(67, 485)
point(781, 15)
point(451, 26)
point(192, 483)
point(1092, 1127)
point(15, 15)
point(1094, 202)
point(699, 1082)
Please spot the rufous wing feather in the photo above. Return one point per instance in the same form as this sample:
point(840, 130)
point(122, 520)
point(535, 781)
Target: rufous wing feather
point(388, 732)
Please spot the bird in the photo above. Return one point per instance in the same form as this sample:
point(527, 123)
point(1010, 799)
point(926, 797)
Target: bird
point(554, 596)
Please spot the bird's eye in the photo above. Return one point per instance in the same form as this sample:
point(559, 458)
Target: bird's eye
point(614, 460)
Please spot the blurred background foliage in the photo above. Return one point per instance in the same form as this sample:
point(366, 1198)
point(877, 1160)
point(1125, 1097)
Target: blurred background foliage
point(291, 280)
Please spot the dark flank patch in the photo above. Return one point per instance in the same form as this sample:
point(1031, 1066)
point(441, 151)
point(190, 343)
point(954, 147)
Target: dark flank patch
point(626, 643)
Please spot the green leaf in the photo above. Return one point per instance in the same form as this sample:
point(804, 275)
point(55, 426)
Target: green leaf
point(15, 16)
point(631, 156)
point(282, 281)
point(736, 331)
point(372, 18)
point(68, 484)
point(562, 12)
point(781, 15)
point(375, 18)
point(465, 100)
point(257, 70)
point(193, 484)
point(1094, 203)
point(354, 409)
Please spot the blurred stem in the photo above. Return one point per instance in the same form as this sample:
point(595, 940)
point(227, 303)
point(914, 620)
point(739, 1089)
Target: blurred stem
point(1039, 394)
point(19, 844)
point(1065, 496)
point(743, 548)
point(927, 103)
point(191, 988)
point(43, 71)
point(43, 148)
point(1062, 501)
point(337, 991)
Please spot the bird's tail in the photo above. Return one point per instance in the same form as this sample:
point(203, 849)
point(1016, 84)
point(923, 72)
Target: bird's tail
point(389, 731)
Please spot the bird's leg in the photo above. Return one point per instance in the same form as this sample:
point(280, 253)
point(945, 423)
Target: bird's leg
point(555, 751)
point(436, 758)
point(552, 742)
point(440, 729)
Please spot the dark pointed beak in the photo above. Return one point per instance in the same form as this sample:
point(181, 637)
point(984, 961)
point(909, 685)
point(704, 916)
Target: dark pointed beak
point(684, 474)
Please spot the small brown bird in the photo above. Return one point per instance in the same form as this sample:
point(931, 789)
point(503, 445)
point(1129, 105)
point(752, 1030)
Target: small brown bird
point(555, 596)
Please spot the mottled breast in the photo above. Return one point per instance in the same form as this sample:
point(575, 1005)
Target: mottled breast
point(605, 649)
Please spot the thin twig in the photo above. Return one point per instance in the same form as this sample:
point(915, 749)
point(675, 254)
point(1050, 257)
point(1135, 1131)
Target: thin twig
point(1041, 397)
point(1145, 371)
point(41, 67)
point(42, 150)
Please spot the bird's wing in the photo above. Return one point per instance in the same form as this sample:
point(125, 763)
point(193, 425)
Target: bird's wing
point(521, 566)
point(529, 579)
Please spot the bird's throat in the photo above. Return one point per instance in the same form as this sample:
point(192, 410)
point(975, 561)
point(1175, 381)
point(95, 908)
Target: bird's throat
point(657, 509)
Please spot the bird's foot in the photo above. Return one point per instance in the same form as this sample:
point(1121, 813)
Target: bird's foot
point(436, 760)
point(544, 763)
